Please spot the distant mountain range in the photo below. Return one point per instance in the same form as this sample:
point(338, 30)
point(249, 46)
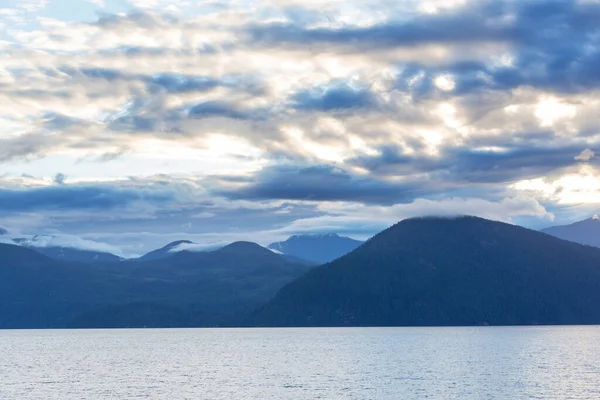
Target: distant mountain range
point(187, 289)
point(68, 254)
point(304, 249)
point(423, 271)
point(436, 271)
point(584, 232)
point(317, 248)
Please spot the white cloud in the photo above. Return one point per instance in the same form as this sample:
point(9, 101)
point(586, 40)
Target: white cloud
point(72, 242)
point(200, 247)
point(578, 187)
point(6, 240)
point(445, 82)
point(585, 155)
point(549, 110)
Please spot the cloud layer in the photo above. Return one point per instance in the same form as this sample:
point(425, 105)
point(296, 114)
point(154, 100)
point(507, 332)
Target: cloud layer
point(137, 122)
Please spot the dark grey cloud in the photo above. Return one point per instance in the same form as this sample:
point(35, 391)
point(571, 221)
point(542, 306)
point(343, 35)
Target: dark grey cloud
point(38, 93)
point(450, 27)
point(319, 183)
point(456, 166)
point(526, 23)
point(178, 83)
point(197, 220)
point(72, 197)
point(554, 44)
point(30, 144)
point(554, 50)
point(60, 179)
point(170, 82)
point(332, 98)
point(458, 172)
point(216, 108)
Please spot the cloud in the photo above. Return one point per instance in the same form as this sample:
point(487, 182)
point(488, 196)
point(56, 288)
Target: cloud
point(506, 163)
point(69, 241)
point(334, 98)
point(319, 183)
point(3, 231)
point(77, 197)
point(210, 109)
point(447, 27)
point(362, 221)
point(253, 117)
point(199, 247)
point(59, 179)
point(6, 240)
point(585, 155)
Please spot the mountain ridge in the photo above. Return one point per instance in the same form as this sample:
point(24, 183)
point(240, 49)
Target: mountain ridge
point(443, 271)
point(317, 248)
point(585, 232)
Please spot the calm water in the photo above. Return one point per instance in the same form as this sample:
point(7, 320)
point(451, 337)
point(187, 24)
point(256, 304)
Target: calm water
point(370, 363)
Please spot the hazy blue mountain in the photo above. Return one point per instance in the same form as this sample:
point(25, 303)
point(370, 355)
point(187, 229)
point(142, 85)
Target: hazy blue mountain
point(188, 289)
point(317, 248)
point(436, 271)
point(39, 292)
point(163, 252)
point(68, 254)
point(76, 255)
point(584, 232)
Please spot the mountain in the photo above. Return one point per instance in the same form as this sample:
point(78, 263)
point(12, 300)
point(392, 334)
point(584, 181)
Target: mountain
point(39, 292)
point(187, 289)
point(436, 271)
point(68, 254)
point(210, 288)
point(584, 232)
point(317, 248)
point(76, 255)
point(163, 252)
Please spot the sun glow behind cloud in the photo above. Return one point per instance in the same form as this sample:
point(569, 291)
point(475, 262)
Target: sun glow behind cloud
point(550, 110)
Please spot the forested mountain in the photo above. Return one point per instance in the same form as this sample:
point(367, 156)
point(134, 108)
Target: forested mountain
point(187, 289)
point(584, 232)
point(442, 271)
point(317, 248)
point(163, 252)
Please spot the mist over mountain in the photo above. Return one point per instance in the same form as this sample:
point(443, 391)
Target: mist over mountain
point(76, 255)
point(584, 232)
point(436, 271)
point(317, 248)
point(163, 252)
point(179, 246)
point(67, 249)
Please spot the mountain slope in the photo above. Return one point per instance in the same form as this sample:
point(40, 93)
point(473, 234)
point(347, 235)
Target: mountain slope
point(199, 288)
point(316, 248)
point(66, 254)
point(76, 255)
point(434, 271)
point(39, 292)
point(163, 252)
point(584, 232)
point(187, 289)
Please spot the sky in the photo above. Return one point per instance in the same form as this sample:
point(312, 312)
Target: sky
point(127, 124)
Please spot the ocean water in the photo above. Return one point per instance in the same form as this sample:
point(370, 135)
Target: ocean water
point(354, 363)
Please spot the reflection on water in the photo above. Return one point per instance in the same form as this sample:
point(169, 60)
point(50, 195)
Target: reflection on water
point(356, 363)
